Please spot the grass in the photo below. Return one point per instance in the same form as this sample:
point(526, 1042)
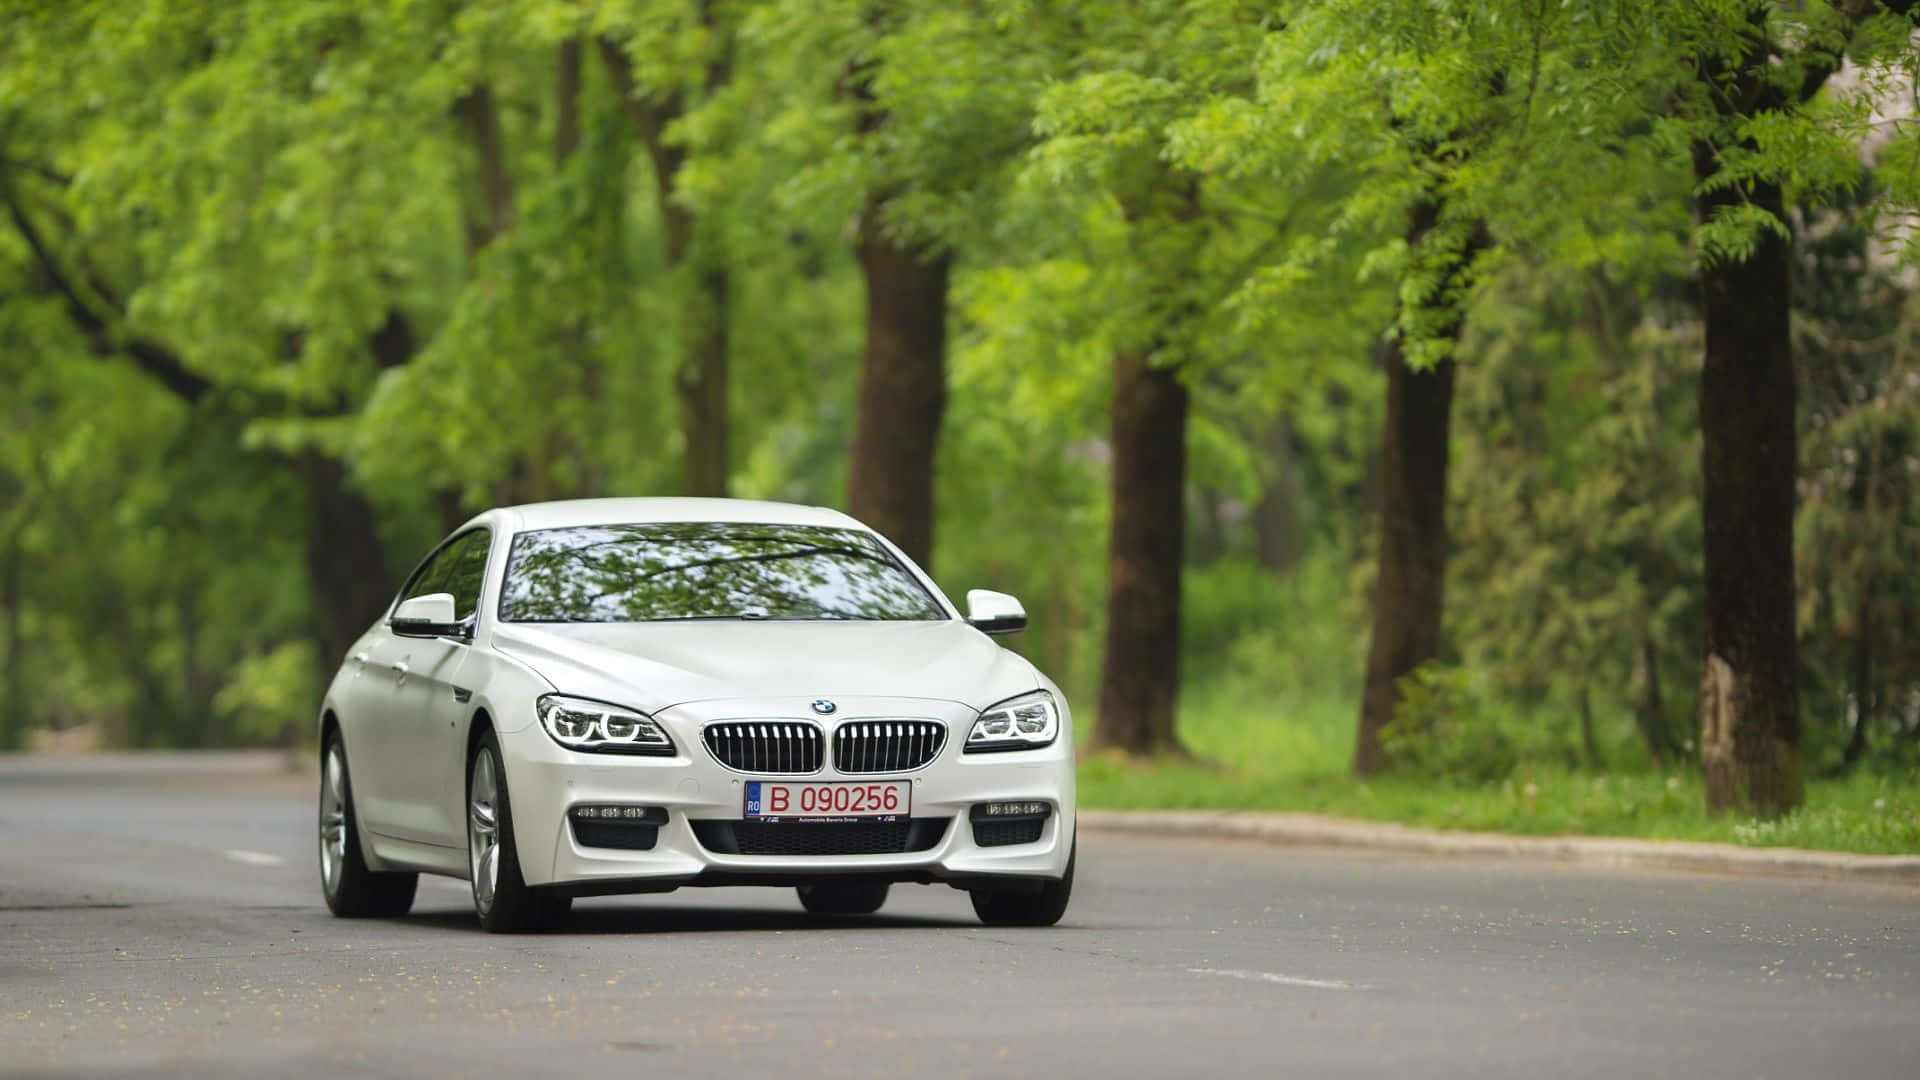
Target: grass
point(1276, 752)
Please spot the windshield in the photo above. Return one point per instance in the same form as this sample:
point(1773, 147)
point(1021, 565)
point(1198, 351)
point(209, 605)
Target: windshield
point(719, 570)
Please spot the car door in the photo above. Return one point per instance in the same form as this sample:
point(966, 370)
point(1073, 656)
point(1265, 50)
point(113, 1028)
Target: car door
point(377, 737)
point(430, 701)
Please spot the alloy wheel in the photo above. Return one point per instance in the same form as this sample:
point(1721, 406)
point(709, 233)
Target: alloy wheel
point(483, 830)
point(333, 819)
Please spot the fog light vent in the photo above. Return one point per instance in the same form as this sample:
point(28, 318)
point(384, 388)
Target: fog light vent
point(1011, 811)
point(625, 828)
point(1003, 824)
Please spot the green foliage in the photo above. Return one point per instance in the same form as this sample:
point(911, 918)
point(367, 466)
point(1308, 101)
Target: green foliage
point(258, 190)
point(268, 697)
point(1445, 729)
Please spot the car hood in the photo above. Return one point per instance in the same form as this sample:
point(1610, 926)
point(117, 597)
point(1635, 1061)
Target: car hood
point(654, 666)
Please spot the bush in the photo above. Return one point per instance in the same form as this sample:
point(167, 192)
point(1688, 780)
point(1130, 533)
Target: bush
point(1446, 729)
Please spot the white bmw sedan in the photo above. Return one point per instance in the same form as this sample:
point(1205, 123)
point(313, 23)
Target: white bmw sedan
point(632, 695)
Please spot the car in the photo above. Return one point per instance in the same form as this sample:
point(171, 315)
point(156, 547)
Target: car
point(612, 696)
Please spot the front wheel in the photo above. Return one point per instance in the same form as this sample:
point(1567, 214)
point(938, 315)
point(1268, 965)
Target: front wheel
point(852, 897)
point(501, 896)
point(1015, 906)
point(352, 890)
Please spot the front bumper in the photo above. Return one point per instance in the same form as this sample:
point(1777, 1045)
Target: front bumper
point(545, 781)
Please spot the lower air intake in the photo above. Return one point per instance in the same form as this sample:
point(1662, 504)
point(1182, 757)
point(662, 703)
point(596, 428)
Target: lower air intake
point(813, 838)
point(1007, 833)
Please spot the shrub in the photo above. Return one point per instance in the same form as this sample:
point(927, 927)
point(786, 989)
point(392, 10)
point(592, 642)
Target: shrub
point(1446, 729)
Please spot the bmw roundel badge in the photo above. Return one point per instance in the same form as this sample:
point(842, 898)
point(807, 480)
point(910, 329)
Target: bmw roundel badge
point(823, 706)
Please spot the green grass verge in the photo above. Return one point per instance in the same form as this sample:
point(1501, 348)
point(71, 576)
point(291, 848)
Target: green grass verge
point(1291, 754)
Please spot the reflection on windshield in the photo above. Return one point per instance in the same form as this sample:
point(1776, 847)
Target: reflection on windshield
point(643, 573)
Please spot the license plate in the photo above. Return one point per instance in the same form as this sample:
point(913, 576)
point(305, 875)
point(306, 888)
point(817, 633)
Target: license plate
point(886, 800)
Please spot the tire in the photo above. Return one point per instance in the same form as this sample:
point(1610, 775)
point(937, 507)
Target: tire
point(502, 899)
point(352, 891)
point(848, 897)
point(1026, 906)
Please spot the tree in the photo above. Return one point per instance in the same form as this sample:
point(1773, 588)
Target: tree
point(1106, 140)
point(659, 96)
point(903, 371)
point(903, 389)
point(346, 560)
point(1759, 68)
point(1145, 553)
point(262, 129)
point(908, 143)
point(1410, 586)
point(1402, 155)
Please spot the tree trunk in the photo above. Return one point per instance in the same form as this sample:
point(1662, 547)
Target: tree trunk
point(1141, 665)
point(1749, 701)
point(13, 683)
point(1589, 739)
point(702, 387)
point(477, 113)
point(1408, 588)
point(1652, 713)
point(1407, 594)
point(566, 99)
point(1276, 520)
point(903, 390)
point(346, 561)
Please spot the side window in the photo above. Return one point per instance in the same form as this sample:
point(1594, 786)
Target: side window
point(458, 569)
point(466, 571)
point(427, 579)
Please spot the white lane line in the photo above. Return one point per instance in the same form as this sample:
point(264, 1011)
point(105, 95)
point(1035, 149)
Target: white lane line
point(254, 858)
point(1283, 980)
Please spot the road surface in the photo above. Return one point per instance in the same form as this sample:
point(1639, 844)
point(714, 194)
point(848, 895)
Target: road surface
point(160, 922)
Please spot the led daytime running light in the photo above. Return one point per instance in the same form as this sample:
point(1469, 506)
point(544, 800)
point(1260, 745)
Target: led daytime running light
point(595, 726)
point(1027, 722)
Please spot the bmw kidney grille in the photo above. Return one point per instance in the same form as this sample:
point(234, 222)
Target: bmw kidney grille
point(877, 746)
point(769, 747)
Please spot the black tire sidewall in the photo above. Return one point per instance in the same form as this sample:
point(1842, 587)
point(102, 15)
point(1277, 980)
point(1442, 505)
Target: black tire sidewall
point(1029, 907)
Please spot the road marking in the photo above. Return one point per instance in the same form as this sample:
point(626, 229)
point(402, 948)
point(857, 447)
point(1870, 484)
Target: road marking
point(254, 858)
point(1283, 980)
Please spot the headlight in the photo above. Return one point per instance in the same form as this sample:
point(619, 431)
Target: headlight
point(1027, 722)
point(580, 724)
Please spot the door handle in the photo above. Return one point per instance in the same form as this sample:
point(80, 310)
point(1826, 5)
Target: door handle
point(359, 662)
point(400, 672)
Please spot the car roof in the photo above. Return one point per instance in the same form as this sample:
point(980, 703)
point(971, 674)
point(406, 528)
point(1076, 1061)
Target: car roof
point(647, 511)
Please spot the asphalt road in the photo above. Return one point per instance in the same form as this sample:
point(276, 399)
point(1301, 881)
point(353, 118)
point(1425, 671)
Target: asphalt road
point(161, 924)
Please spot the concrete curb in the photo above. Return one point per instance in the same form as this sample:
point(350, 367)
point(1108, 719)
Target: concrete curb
point(154, 763)
point(1314, 830)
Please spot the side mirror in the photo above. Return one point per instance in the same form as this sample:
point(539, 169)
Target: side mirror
point(995, 612)
point(426, 616)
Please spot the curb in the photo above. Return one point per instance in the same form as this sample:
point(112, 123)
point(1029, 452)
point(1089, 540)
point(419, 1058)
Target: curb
point(167, 764)
point(1314, 830)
